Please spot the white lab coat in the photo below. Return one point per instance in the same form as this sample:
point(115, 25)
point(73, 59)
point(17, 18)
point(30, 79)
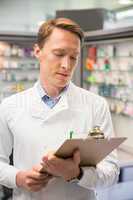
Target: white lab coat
point(32, 129)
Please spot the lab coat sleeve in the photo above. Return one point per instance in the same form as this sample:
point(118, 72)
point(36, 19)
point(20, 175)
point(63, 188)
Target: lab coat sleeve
point(7, 172)
point(107, 171)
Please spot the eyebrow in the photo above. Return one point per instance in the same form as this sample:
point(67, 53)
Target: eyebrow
point(63, 50)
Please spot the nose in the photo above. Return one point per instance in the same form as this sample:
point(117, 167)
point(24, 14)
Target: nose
point(65, 62)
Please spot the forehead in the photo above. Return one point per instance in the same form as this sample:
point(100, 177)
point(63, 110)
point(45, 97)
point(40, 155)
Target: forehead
point(61, 38)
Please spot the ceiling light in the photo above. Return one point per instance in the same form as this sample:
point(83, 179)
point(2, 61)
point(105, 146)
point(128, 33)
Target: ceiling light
point(125, 2)
point(124, 14)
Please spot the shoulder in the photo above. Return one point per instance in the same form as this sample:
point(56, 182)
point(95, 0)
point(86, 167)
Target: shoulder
point(82, 96)
point(18, 99)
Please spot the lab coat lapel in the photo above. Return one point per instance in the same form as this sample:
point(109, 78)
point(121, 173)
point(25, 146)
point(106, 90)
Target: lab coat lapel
point(41, 111)
point(60, 106)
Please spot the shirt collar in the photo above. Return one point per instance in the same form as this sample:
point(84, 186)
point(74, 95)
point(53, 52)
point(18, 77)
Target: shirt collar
point(42, 91)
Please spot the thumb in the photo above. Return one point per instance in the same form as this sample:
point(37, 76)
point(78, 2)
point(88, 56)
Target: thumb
point(37, 168)
point(76, 157)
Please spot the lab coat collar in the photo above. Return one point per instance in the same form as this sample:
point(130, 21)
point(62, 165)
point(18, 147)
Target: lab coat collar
point(42, 91)
point(39, 111)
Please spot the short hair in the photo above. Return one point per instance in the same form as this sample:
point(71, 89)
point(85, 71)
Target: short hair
point(46, 29)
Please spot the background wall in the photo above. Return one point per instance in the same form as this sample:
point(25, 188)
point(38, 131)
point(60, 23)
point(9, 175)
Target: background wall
point(25, 15)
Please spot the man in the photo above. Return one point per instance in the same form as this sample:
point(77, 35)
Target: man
point(37, 121)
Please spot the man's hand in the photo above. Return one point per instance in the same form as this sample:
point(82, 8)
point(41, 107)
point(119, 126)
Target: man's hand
point(32, 180)
point(65, 168)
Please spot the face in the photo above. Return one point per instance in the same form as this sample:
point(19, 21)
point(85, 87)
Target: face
point(58, 58)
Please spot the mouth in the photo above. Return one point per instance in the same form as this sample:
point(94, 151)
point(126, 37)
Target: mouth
point(63, 74)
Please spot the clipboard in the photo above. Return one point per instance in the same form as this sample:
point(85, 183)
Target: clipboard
point(92, 150)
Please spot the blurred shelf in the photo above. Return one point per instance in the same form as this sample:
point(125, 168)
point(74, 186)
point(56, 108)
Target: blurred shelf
point(20, 81)
point(104, 83)
point(119, 99)
point(123, 114)
point(109, 71)
point(114, 57)
point(18, 68)
point(16, 57)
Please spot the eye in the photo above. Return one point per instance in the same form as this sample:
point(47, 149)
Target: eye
point(59, 54)
point(73, 58)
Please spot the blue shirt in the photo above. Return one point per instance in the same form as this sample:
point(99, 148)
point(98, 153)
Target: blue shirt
point(49, 101)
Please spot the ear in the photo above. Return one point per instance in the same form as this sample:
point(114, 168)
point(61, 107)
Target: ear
point(37, 51)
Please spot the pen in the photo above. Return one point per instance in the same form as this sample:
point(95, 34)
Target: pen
point(71, 134)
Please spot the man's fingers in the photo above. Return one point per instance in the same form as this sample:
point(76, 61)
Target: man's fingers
point(34, 182)
point(37, 175)
point(50, 155)
point(76, 157)
point(37, 168)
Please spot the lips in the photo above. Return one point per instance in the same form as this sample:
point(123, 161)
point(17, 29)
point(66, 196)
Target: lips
point(63, 74)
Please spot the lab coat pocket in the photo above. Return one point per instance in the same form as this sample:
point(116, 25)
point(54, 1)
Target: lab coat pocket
point(77, 124)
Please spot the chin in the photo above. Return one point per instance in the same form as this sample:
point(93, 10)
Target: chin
point(62, 84)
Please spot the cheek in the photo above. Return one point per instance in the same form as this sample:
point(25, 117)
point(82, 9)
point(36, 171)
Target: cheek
point(49, 61)
point(45, 63)
point(73, 68)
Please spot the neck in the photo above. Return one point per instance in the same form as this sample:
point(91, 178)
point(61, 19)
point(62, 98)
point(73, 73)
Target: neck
point(51, 90)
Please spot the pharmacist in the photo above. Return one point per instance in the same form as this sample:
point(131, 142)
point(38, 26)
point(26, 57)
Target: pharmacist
point(37, 121)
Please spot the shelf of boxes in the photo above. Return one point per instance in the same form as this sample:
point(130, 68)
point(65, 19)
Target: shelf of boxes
point(19, 69)
point(108, 71)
